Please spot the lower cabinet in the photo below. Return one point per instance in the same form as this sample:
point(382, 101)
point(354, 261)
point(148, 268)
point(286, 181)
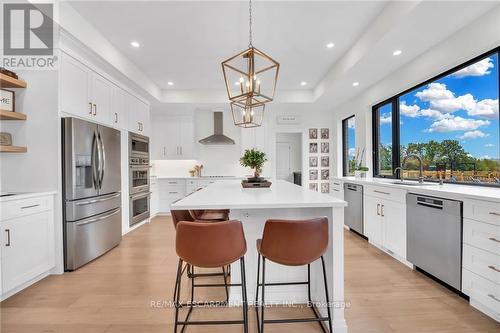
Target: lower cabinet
point(27, 248)
point(385, 224)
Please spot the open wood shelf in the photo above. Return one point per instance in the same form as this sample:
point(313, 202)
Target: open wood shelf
point(13, 149)
point(9, 82)
point(8, 115)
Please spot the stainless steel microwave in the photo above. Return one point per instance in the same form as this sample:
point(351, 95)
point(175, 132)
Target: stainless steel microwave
point(139, 145)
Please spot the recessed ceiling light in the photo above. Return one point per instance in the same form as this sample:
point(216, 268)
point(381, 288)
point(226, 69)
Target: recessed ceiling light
point(397, 52)
point(170, 83)
point(303, 83)
point(135, 44)
point(355, 84)
point(330, 45)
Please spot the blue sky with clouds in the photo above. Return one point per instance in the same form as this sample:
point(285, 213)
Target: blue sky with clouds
point(461, 106)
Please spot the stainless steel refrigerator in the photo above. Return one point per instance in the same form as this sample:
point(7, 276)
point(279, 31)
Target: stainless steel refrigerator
point(91, 191)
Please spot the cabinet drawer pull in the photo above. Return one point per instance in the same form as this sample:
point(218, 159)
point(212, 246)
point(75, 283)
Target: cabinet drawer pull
point(116, 117)
point(172, 182)
point(494, 239)
point(378, 209)
point(31, 206)
point(494, 268)
point(493, 297)
point(173, 192)
point(336, 190)
point(8, 237)
point(495, 213)
point(381, 192)
point(90, 108)
point(382, 210)
point(95, 109)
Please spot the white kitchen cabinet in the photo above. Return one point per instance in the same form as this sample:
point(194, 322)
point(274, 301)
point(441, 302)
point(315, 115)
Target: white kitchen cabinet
point(85, 93)
point(101, 97)
point(154, 199)
point(173, 138)
point(170, 190)
point(119, 114)
point(385, 224)
point(139, 121)
point(75, 90)
point(27, 242)
point(372, 220)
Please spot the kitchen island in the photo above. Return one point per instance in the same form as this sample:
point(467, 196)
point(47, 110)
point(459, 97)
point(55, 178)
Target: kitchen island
point(283, 200)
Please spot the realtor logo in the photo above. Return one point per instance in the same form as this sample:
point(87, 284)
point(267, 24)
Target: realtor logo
point(28, 29)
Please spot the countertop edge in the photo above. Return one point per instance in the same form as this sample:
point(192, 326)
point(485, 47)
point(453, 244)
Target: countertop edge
point(26, 196)
point(432, 190)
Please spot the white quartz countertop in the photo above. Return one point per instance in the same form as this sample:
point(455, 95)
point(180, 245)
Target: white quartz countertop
point(200, 178)
point(26, 195)
point(454, 191)
point(230, 195)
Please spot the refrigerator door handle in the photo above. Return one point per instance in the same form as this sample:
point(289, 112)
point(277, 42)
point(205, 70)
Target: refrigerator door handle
point(102, 161)
point(95, 160)
point(116, 211)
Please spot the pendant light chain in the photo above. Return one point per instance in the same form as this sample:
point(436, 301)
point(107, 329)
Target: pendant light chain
point(250, 24)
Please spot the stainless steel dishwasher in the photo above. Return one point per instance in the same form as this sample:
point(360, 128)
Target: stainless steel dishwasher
point(434, 237)
point(353, 213)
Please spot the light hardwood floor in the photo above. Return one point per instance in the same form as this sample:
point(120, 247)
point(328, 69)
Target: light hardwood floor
point(114, 294)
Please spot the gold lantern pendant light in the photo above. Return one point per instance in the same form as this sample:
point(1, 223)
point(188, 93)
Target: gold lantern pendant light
point(250, 78)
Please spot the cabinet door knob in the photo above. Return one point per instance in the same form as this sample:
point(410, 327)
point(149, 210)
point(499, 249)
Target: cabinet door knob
point(8, 237)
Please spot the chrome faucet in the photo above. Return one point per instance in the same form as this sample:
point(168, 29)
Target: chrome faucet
point(401, 175)
point(421, 164)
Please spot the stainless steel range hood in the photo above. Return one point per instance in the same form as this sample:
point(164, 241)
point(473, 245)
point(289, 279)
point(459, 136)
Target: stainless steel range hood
point(218, 138)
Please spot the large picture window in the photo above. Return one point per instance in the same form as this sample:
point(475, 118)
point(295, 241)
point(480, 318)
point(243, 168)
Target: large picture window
point(451, 122)
point(349, 145)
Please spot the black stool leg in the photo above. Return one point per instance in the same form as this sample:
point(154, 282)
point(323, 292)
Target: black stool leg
point(177, 294)
point(244, 295)
point(309, 284)
point(257, 293)
point(263, 298)
point(225, 283)
point(327, 295)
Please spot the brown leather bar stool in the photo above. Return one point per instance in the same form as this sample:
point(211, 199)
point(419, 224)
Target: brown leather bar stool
point(186, 215)
point(209, 245)
point(292, 243)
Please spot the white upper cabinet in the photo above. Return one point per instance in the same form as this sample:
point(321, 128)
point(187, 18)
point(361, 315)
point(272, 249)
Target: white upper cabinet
point(119, 114)
point(101, 97)
point(75, 78)
point(138, 116)
point(87, 94)
point(173, 138)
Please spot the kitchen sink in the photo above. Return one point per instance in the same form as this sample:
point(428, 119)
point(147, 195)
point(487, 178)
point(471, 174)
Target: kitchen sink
point(412, 183)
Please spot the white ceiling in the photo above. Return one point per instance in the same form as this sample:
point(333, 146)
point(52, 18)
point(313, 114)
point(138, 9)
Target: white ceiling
point(185, 41)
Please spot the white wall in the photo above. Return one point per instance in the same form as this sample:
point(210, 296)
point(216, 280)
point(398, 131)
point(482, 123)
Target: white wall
point(224, 160)
point(473, 40)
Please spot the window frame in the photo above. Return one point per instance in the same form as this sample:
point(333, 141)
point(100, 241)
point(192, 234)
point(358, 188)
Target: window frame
point(396, 143)
point(345, 145)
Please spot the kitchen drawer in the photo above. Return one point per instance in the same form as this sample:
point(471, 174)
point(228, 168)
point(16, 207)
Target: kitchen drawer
point(482, 290)
point(482, 263)
point(191, 189)
point(23, 207)
point(484, 211)
point(172, 182)
point(482, 235)
point(388, 193)
point(192, 182)
point(205, 182)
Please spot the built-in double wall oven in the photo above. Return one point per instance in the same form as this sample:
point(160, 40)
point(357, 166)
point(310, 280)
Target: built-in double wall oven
point(139, 178)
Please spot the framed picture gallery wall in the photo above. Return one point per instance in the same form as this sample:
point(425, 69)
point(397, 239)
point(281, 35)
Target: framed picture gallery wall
point(319, 159)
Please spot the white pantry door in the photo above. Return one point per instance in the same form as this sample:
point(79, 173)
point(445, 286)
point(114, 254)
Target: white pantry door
point(283, 161)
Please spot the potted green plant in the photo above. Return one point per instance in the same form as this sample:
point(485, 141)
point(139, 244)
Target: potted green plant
point(254, 159)
point(360, 170)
